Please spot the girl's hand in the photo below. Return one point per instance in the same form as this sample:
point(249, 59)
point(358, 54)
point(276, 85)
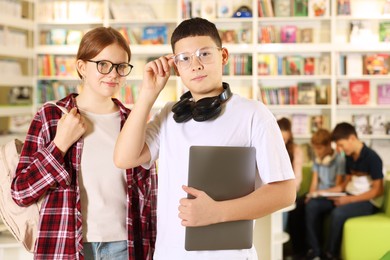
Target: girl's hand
point(70, 128)
point(200, 211)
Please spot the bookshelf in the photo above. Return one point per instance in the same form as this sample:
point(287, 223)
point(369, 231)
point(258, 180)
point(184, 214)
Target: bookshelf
point(16, 61)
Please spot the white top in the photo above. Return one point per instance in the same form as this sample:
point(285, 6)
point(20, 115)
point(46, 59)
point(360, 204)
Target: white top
point(102, 185)
point(242, 122)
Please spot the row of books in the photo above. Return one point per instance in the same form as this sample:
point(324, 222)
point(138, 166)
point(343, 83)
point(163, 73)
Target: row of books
point(371, 124)
point(60, 36)
point(70, 10)
point(357, 92)
point(16, 95)
point(304, 93)
point(11, 8)
point(13, 38)
point(305, 124)
point(10, 68)
point(54, 90)
point(285, 34)
point(271, 64)
point(364, 64)
point(287, 8)
point(238, 65)
point(129, 94)
point(243, 35)
point(147, 35)
point(210, 9)
point(56, 65)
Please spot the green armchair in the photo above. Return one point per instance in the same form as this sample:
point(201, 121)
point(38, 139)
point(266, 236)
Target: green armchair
point(368, 237)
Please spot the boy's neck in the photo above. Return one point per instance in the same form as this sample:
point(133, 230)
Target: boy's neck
point(358, 148)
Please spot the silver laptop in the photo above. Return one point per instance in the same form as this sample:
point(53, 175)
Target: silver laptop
point(224, 173)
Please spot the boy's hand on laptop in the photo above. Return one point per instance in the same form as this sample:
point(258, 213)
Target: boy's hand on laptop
point(200, 211)
point(156, 74)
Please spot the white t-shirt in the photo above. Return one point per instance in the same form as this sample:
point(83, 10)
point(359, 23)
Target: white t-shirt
point(242, 122)
point(102, 184)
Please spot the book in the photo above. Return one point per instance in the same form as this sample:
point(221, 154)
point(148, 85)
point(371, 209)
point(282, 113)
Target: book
point(309, 66)
point(58, 36)
point(343, 7)
point(228, 36)
point(154, 35)
point(383, 94)
point(306, 93)
point(359, 92)
point(244, 35)
point(378, 124)
point(73, 37)
point(300, 8)
point(282, 8)
point(384, 31)
point(318, 8)
point(288, 34)
point(293, 65)
point(361, 124)
point(306, 35)
point(376, 64)
point(322, 94)
point(208, 9)
point(300, 124)
point(319, 121)
point(342, 93)
point(324, 65)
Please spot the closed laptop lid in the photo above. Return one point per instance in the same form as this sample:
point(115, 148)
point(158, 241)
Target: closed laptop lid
point(224, 173)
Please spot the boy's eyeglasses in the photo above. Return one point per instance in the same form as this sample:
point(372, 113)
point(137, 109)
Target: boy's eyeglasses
point(205, 55)
point(105, 67)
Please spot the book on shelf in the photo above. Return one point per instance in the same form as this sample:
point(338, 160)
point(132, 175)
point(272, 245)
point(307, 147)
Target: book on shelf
point(196, 8)
point(73, 37)
point(342, 93)
point(154, 35)
point(135, 11)
point(361, 124)
point(318, 122)
point(265, 8)
point(322, 94)
point(384, 31)
point(58, 36)
point(288, 34)
point(300, 124)
point(267, 34)
point(343, 7)
point(306, 93)
point(309, 66)
point(244, 35)
point(323, 65)
point(318, 8)
point(282, 8)
point(376, 64)
point(378, 124)
point(359, 92)
point(228, 36)
point(300, 8)
point(383, 94)
point(293, 65)
point(17, 95)
point(306, 35)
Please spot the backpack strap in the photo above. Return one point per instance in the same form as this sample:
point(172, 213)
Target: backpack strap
point(63, 109)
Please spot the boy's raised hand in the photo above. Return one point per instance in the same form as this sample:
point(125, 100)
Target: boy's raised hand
point(156, 74)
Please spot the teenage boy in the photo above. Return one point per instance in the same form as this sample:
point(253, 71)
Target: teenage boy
point(363, 182)
point(206, 115)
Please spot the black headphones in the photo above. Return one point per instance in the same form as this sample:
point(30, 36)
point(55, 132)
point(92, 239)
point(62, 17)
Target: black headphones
point(202, 110)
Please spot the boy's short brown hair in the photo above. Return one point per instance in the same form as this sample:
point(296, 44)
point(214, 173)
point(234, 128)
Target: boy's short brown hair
point(343, 131)
point(195, 27)
point(321, 137)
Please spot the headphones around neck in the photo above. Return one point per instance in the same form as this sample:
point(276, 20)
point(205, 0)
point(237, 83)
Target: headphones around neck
point(327, 160)
point(202, 110)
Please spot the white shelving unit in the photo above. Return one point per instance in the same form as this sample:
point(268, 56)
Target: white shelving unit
point(16, 22)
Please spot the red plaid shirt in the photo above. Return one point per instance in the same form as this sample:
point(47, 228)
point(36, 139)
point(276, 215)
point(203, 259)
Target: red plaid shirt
point(43, 171)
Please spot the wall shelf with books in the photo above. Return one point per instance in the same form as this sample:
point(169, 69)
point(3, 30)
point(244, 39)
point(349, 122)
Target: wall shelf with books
point(16, 63)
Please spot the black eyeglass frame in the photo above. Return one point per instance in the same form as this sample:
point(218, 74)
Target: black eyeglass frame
point(112, 66)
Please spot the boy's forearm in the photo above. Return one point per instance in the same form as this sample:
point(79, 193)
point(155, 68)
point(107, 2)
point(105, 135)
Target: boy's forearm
point(263, 201)
point(131, 140)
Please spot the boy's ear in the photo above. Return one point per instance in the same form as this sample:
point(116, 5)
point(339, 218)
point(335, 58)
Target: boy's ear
point(225, 56)
point(176, 70)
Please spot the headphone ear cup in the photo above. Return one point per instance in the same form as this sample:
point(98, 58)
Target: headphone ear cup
point(182, 110)
point(206, 108)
